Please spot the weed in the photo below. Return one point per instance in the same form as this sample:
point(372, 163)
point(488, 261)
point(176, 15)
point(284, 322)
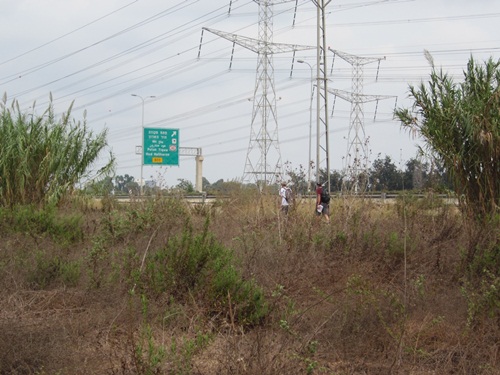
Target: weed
point(395, 245)
point(64, 229)
point(98, 255)
point(48, 270)
point(149, 356)
point(419, 284)
point(181, 352)
point(70, 273)
point(278, 291)
point(45, 272)
point(340, 241)
point(338, 305)
point(484, 301)
point(198, 263)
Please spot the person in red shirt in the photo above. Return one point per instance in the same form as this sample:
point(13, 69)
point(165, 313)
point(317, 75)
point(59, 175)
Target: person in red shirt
point(322, 203)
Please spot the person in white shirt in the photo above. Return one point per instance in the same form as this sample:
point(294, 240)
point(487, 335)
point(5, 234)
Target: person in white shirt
point(284, 202)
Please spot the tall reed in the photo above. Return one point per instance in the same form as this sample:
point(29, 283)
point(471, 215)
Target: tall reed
point(42, 157)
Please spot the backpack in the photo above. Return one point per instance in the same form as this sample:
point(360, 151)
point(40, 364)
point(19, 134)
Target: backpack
point(325, 197)
point(288, 195)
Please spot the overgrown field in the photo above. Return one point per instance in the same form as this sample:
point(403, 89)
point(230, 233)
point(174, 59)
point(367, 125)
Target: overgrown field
point(158, 287)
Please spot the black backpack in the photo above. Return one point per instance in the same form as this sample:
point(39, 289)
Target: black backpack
point(288, 195)
point(325, 197)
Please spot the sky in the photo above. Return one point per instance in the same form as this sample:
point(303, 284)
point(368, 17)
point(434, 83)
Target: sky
point(98, 54)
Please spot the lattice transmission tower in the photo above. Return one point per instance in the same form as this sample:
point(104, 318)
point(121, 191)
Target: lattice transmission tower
point(263, 160)
point(356, 161)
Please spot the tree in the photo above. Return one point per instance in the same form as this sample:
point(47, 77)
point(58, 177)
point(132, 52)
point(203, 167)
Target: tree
point(460, 123)
point(336, 179)
point(205, 184)
point(384, 175)
point(101, 187)
point(413, 176)
point(227, 187)
point(297, 178)
point(122, 183)
point(185, 185)
point(42, 158)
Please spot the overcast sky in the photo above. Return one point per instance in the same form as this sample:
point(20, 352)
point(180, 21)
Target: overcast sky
point(97, 53)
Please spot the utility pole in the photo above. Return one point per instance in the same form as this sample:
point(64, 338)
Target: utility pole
point(322, 127)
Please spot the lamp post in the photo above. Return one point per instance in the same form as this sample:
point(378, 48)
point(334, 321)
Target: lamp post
point(142, 144)
point(310, 126)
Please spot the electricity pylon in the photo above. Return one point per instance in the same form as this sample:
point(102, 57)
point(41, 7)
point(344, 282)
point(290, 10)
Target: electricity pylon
point(263, 160)
point(357, 143)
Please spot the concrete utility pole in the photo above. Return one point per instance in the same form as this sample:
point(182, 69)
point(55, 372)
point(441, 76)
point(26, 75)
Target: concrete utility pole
point(196, 152)
point(357, 153)
point(263, 160)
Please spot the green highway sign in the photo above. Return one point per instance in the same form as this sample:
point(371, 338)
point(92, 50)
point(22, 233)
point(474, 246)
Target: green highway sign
point(161, 146)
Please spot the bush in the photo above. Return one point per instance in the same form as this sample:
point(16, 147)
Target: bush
point(48, 270)
point(191, 263)
point(63, 228)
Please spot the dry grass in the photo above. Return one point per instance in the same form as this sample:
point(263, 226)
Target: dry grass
point(380, 290)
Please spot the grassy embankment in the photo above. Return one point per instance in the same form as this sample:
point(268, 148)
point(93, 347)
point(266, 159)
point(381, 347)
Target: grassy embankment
point(158, 287)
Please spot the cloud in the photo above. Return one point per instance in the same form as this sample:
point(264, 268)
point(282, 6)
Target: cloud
point(99, 53)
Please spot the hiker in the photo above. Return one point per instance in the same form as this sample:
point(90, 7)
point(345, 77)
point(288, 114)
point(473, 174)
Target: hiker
point(285, 195)
point(322, 202)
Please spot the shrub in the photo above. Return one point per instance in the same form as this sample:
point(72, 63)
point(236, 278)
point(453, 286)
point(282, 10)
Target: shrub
point(197, 263)
point(64, 228)
point(48, 270)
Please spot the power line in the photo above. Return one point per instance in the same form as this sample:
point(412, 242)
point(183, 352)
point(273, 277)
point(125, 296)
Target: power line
point(67, 34)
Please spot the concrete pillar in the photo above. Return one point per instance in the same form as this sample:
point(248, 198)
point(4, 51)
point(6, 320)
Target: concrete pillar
point(199, 173)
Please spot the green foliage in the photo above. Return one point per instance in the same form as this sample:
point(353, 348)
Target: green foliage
point(70, 272)
point(385, 176)
point(97, 260)
point(395, 245)
point(297, 179)
point(42, 158)
point(197, 263)
point(148, 356)
point(483, 253)
point(182, 352)
point(372, 310)
point(233, 188)
point(461, 126)
point(185, 186)
point(483, 301)
point(120, 226)
point(125, 184)
point(419, 284)
point(48, 270)
point(64, 228)
point(101, 187)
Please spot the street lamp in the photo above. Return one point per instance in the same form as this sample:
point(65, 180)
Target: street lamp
point(310, 126)
point(142, 144)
